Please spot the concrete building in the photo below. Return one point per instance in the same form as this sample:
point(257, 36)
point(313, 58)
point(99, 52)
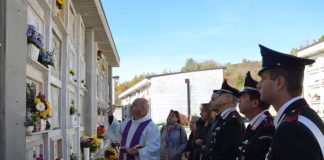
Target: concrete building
point(170, 91)
point(75, 34)
point(314, 76)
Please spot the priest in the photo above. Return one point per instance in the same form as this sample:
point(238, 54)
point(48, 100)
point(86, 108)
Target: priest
point(139, 136)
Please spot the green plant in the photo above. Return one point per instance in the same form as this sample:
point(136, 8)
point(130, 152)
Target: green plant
point(73, 110)
point(30, 96)
point(31, 120)
point(74, 156)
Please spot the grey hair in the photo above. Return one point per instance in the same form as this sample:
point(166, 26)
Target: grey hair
point(194, 118)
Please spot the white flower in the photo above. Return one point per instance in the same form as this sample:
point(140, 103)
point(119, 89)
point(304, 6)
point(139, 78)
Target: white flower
point(40, 106)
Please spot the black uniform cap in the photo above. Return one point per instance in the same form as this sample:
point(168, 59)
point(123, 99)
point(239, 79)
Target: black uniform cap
point(227, 89)
point(249, 84)
point(275, 59)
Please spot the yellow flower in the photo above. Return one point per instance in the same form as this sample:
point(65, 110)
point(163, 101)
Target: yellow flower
point(37, 100)
point(60, 1)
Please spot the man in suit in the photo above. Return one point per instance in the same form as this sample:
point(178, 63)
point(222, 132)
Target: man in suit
point(227, 130)
point(299, 130)
point(258, 135)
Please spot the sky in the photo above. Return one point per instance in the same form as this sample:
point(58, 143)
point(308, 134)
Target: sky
point(157, 35)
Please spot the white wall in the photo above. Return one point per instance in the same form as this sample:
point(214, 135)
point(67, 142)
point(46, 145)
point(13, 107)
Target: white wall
point(170, 92)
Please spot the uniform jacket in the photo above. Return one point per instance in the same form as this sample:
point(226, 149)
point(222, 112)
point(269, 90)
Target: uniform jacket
point(293, 139)
point(257, 138)
point(225, 136)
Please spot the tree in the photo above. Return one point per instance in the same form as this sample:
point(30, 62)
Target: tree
point(239, 81)
point(192, 65)
point(294, 51)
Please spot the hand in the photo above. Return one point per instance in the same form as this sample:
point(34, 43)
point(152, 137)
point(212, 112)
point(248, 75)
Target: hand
point(131, 151)
point(187, 154)
point(111, 110)
point(199, 142)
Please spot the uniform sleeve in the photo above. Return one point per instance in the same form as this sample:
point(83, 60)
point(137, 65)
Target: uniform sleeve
point(151, 149)
point(232, 135)
point(114, 131)
point(262, 144)
point(294, 141)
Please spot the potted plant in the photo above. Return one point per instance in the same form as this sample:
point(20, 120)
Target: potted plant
point(30, 123)
point(85, 145)
point(34, 41)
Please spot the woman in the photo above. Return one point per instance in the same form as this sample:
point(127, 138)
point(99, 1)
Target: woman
point(190, 148)
point(203, 126)
point(173, 138)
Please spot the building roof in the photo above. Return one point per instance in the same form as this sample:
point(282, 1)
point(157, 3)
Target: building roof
point(94, 17)
point(167, 74)
point(311, 50)
point(140, 84)
point(146, 81)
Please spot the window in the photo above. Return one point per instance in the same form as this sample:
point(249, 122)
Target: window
point(72, 25)
point(56, 51)
point(72, 65)
point(82, 111)
point(56, 105)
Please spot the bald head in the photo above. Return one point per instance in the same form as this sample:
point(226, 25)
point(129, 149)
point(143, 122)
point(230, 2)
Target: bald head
point(139, 108)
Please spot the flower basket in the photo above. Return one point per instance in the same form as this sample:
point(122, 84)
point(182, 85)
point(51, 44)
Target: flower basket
point(46, 58)
point(33, 51)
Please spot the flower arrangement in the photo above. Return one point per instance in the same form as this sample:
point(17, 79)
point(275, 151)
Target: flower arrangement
point(74, 156)
point(59, 4)
point(72, 71)
point(43, 107)
point(90, 142)
point(38, 109)
point(34, 37)
point(101, 132)
point(111, 154)
point(40, 157)
point(46, 58)
point(73, 110)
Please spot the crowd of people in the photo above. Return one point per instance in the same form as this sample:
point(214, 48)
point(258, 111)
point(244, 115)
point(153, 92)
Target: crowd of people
point(219, 133)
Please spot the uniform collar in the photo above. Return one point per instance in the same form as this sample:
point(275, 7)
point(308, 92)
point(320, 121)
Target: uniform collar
point(256, 120)
point(280, 114)
point(225, 113)
point(146, 117)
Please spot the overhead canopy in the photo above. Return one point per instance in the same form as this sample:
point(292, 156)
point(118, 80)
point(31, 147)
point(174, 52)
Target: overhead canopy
point(93, 16)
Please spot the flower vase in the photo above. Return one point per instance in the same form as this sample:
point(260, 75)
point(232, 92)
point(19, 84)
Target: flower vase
point(41, 125)
point(33, 51)
point(86, 153)
point(101, 144)
point(29, 130)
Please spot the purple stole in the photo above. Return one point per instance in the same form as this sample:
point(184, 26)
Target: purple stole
point(135, 139)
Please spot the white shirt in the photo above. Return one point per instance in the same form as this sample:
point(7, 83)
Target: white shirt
point(279, 117)
point(150, 137)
